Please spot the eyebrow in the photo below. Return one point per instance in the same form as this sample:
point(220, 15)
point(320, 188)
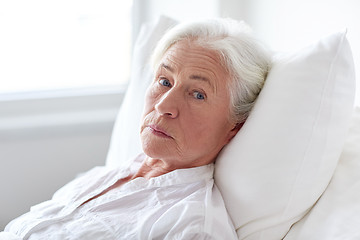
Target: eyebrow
point(167, 67)
point(193, 77)
point(201, 78)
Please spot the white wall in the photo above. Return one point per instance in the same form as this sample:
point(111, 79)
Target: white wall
point(291, 24)
point(181, 10)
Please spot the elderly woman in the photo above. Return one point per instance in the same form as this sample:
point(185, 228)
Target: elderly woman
point(207, 77)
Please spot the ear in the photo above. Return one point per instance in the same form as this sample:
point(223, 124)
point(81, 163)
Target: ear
point(234, 131)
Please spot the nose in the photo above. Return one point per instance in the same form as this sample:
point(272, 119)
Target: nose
point(168, 105)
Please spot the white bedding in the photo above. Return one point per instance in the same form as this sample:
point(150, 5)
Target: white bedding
point(8, 236)
point(337, 213)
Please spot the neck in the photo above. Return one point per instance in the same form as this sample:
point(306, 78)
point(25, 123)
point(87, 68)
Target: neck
point(152, 168)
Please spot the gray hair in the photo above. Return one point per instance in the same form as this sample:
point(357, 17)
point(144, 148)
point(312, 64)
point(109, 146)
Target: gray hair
point(246, 59)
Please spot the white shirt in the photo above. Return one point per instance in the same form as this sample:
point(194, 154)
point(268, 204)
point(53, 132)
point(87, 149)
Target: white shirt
point(182, 204)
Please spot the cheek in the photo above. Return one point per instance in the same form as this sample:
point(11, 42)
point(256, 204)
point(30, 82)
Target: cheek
point(147, 144)
point(195, 127)
point(208, 127)
point(145, 138)
point(150, 99)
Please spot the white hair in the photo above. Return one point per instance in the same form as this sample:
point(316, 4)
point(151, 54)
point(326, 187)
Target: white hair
point(242, 55)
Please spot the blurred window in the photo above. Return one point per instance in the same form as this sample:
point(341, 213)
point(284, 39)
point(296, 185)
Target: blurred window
point(64, 44)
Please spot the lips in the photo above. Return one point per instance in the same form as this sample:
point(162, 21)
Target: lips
point(156, 130)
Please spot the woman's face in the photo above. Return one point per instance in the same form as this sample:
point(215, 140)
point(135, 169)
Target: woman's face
point(186, 115)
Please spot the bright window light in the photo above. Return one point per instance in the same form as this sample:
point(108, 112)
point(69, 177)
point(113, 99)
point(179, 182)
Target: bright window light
point(61, 44)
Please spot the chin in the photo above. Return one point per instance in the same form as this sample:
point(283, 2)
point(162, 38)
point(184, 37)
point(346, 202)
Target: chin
point(153, 150)
point(156, 147)
point(156, 152)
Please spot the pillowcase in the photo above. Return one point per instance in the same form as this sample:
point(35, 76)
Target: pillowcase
point(283, 158)
point(337, 213)
point(125, 141)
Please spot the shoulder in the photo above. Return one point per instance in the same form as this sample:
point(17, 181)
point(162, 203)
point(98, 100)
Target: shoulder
point(219, 223)
point(83, 179)
point(201, 215)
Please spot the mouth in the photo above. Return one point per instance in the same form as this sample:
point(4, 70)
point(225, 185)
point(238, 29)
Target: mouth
point(158, 131)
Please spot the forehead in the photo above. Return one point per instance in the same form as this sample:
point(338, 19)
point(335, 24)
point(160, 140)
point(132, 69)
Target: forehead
point(189, 55)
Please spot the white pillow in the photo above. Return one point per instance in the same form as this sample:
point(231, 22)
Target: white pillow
point(337, 213)
point(283, 158)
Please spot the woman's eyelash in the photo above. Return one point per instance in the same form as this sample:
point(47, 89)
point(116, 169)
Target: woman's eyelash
point(199, 95)
point(165, 82)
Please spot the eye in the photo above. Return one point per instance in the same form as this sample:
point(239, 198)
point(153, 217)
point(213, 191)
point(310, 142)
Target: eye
point(199, 95)
point(165, 82)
